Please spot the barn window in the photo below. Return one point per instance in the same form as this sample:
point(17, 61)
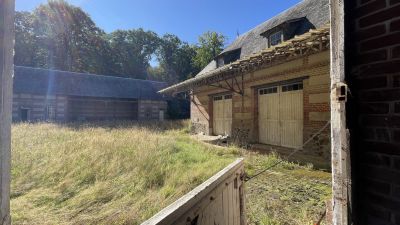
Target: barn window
point(228, 57)
point(228, 97)
point(275, 38)
point(218, 98)
point(292, 87)
point(50, 112)
point(220, 61)
point(270, 90)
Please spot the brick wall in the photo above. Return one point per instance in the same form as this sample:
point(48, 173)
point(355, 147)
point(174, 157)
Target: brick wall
point(373, 59)
point(150, 110)
point(36, 105)
point(313, 69)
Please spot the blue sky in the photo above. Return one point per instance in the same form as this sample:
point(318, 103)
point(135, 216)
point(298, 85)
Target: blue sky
point(184, 18)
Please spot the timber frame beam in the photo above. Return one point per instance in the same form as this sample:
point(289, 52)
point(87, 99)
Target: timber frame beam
point(6, 71)
point(341, 179)
point(309, 43)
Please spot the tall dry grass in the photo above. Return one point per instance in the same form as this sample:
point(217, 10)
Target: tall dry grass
point(105, 173)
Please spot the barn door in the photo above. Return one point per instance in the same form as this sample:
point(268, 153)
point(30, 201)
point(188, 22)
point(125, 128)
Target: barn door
point(269, 128)
point(222, 115)
point(281, 115)
point(291, 115)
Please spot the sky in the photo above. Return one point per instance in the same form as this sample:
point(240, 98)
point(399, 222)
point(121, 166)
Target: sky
point(185, 18)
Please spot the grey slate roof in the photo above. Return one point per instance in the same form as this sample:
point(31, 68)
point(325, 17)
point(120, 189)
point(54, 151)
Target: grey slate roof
point(316, 11)
point(43, 81)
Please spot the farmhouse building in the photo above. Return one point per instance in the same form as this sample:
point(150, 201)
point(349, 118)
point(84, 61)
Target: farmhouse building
point(271, 85)
point(51, 95)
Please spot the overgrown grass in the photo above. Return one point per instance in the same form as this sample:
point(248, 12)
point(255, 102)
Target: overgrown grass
point(104, 173)
point(287, 194)
point(123, 173)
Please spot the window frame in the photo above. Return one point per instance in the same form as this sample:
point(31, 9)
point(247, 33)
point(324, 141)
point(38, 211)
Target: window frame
point(273, 35)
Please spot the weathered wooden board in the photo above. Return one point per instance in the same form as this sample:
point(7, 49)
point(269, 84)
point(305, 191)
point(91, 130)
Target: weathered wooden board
point(218, 201)
point(339, 139)
point(6, 71)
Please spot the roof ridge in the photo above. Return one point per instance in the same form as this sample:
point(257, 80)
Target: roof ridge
point(266, 21)
point(88, 74)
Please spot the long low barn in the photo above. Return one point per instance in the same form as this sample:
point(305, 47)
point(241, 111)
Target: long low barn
point(51, 95)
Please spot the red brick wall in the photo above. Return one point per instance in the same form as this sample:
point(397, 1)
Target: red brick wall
point(373, 65)
point(314, 69)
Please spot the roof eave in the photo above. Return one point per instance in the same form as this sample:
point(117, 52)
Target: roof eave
point(312, 42)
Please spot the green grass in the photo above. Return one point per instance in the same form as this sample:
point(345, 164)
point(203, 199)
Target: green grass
point(123, 173)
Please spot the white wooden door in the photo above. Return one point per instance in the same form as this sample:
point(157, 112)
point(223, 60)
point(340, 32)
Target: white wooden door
point(291, 115)
point(222, 115)
point(281, 115)
point(269, 128)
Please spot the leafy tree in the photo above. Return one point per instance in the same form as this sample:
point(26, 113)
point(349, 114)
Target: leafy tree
point(176, 59)
point(61, 36)
point(68, 38)
point(131, 51)
point(209, 46)
point(25, 40)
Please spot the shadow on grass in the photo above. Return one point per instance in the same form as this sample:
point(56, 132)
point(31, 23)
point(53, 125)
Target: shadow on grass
point(118, 124)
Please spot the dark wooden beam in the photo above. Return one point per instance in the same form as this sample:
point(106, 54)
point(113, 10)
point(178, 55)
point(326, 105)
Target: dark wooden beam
point(6, 72)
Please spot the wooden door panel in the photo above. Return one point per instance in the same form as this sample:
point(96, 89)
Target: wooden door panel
point(291, 118)
point(222, 116)
point(269, 129)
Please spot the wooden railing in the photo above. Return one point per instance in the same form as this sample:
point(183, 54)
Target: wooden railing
point(218, 201)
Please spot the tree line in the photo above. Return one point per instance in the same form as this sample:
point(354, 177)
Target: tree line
point(58, 35)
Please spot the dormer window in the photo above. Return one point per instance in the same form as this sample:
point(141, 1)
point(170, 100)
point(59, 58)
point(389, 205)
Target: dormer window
point(220, 61)
point(275, 38)
point(228, 57)
point(287, 30)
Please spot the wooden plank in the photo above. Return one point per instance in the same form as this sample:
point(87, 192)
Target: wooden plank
point(6, 70)
point(226, 205)
point(242, 205)
point(237, 198)
point(176, 210)
point(339, 139)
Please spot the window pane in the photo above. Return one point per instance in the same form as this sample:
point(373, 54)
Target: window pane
point(275, 38)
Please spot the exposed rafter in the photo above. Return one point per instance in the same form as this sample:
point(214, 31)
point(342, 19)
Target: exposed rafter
point(309, 43)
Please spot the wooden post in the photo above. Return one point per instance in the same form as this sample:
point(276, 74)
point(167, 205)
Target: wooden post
point(6, 70)
point(339, 136)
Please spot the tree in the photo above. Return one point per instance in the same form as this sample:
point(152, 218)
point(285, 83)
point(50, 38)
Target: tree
point(25, 40)
point(68, 39)
point(131, 52)
point(209, 46)
point(176, 59)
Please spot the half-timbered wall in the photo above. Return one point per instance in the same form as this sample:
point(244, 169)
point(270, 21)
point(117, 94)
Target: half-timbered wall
point(96, 109)
point(152, 110)
point(31, 107)
point(312, 71)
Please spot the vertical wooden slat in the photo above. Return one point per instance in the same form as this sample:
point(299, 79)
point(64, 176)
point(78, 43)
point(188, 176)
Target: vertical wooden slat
point(339, 139)
point(291, 118)
point(219, 215)
point(242, 205)
point(6, 69)
point(225, 205)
